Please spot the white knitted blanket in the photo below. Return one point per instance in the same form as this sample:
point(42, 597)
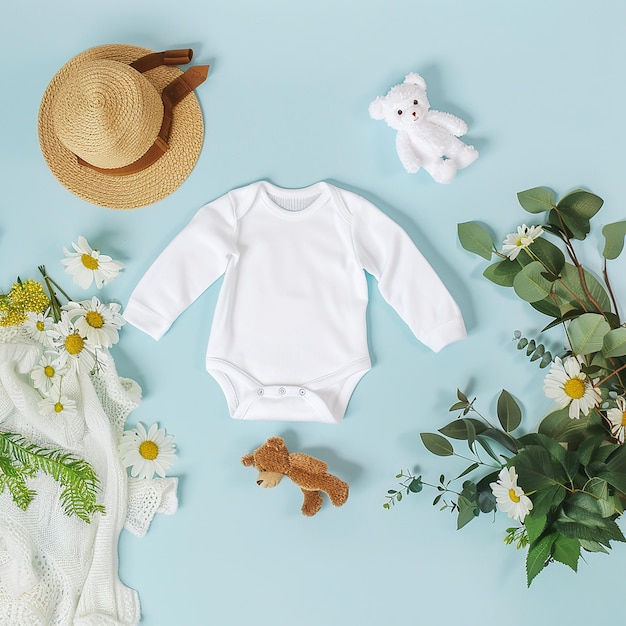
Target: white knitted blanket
point(56, 569)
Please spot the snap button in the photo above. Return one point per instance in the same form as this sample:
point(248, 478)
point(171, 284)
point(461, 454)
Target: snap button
point(282, 391)
point(302, 392)
point(260, 392)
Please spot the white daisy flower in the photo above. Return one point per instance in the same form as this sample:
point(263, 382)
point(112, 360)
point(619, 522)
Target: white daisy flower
point(73, 348)
point(509, 496)
point(58, 407)
point(515, 242)
point(46, 374)
point(147, 452)
point(567, 385)
point(96, 321)
point(40, 327)
point(87, 265)
point(617, 417)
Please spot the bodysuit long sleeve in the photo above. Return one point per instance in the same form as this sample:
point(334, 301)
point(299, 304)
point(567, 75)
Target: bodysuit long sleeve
point(288, 339)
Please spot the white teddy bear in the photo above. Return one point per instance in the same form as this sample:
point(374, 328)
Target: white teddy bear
point(425, 138)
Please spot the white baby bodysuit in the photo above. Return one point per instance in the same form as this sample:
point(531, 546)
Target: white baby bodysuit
point(289, 338)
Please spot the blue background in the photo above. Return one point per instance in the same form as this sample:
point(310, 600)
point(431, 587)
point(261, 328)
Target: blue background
point(541, 85)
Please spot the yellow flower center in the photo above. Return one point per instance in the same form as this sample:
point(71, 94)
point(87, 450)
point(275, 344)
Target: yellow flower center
point(514, 497)
point(89, 262)
point(148, 450)
point(519, 243)
point(624, 418)
point(40, 326)
point(48, 371)
point(58, 407)
point(74, 343)
point(574, 388)
point(94, 319)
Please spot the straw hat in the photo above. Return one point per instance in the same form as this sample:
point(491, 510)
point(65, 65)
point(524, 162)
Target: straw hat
point(122, 136)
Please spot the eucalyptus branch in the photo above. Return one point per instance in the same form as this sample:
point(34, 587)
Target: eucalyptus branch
point(609, 287)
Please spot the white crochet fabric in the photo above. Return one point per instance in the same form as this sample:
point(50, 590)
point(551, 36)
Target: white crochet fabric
point(56, 569)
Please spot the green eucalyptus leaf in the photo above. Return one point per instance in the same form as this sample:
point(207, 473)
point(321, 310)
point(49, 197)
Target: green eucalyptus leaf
point(580, 203)
point(509, 413)
point(536, 200)
point(614, 343)
point(547, 307)
point(567, 551)
point(587, 333)
point(575, 226)
point(468, 470)
point(468, 510)
point(544, 250)
point(415, 486)
point(530, 285)
point(437, 444)
point(458, 429)
point(486, 501)
point(569, 289)
point(538, 556)
point(502, 438)
point(503, 272)
point(474, 238)
point(614, 239)
point(488, 449)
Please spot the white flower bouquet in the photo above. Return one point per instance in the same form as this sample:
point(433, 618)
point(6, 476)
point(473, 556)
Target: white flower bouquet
point(565, 484)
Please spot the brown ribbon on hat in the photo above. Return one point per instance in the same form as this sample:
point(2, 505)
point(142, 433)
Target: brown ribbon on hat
point(173, 93)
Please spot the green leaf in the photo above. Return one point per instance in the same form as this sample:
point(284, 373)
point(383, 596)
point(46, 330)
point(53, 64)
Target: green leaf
point(530, 285)
point(567, 551)
point(535, 525)
point(468, 510)
point(437, 444)
point(614, 343)
point(504, 439)
point(587, 333)
point(488, 449)
point(458, 429)
point(415, 486)
point(571, 283)
point(474, 238)
point(558, 426)
point(503, 272)
point(575, 226)
point(538, 555)
point(614, 239)
point(616, 470)
point(545, 251)
point(581, 204)
point(536, 200)
point(537, 469)
point(547, 499)
point(509, 413)
point(468, 470)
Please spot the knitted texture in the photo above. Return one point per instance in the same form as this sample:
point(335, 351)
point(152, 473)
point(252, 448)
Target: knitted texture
point(56, 569)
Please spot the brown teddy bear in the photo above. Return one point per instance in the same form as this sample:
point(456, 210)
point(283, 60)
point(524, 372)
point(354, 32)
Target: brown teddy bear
point(273, 461)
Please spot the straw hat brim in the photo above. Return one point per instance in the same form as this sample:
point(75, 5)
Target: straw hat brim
point(134, 190)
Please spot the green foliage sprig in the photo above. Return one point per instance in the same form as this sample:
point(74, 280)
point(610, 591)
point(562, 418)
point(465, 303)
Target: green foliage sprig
point(21, 460)
point(566, 483)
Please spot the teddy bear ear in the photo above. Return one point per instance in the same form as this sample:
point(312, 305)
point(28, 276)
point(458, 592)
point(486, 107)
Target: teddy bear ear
point(377, 108)
point(415, 79)
point(276, 443)
point(247, 460)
